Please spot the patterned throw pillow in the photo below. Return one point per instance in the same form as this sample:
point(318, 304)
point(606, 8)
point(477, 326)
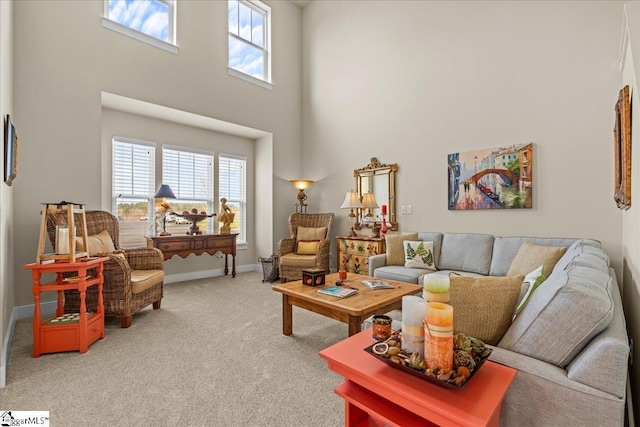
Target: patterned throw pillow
point(419, 254)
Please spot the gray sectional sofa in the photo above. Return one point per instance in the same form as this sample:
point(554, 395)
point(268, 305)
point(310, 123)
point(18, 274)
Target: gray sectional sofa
point(569, 343)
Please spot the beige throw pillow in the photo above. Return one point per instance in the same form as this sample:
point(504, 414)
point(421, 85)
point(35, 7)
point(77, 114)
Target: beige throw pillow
point(310, 233)
point(307, 247)
point(483, 307)
point(532, 256)
point(98, 243)
point(395, 247)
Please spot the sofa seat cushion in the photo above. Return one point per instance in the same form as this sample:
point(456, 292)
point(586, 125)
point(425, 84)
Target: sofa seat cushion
point(141, 280)
point(466, 252)
point(293, 259)
point(566, 311)
point(483, 306)
point(400, 273)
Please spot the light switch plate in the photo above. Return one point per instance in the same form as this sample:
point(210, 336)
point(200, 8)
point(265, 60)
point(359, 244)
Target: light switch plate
point(410, 209)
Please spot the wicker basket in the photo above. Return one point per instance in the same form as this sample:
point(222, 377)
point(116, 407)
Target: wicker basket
point(270, 271)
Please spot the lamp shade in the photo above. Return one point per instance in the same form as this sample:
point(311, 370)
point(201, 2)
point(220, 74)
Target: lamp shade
point(351, 201)
point(369, 201)
point(164, 191)
point(301, 184)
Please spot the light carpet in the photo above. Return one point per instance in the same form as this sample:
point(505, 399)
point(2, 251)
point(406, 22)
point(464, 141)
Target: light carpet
point(213, 355)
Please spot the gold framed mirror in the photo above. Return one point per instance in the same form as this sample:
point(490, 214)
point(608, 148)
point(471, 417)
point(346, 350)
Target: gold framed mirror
point(380, 180)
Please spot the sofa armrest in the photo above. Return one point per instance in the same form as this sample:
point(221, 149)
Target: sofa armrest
point(376, 261)
point(286, 246)
point(145, 258)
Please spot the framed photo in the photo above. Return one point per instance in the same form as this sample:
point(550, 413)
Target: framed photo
point(10, 152)
point(622, 150)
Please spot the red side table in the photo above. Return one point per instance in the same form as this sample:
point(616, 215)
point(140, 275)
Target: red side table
point(50, 337)
point(377, 394)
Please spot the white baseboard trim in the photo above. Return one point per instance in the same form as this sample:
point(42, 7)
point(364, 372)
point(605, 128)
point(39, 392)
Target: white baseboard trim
point(203, 274)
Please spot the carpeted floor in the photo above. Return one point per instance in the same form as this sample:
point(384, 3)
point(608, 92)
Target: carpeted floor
point(213, 355)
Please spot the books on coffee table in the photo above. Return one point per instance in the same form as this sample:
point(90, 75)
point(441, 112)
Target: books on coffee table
point(376, 284)
point(338, 291)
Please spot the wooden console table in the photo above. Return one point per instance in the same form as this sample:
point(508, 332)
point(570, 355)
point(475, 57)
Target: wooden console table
point(184, 245)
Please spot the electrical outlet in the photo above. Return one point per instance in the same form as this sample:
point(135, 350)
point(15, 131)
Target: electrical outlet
point(403, 210)
point(410, 209)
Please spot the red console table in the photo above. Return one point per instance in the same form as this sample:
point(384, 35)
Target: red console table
point(50, 337)
point(377, 394)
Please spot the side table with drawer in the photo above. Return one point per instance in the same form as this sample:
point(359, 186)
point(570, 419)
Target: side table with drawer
point(353, 252)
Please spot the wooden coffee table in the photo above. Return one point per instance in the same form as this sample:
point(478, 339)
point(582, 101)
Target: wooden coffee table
point(351, 310)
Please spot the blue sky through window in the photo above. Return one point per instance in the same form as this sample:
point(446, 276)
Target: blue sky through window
point(246, 51)
point(150, 17)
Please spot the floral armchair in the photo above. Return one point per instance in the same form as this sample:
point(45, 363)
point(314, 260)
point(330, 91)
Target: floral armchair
point(133, 278)
point(308, 247)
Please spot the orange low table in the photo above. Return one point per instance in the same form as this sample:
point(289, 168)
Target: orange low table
point(50, 337)
point(377, 394)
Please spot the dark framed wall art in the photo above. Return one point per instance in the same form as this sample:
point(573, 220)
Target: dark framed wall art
point(10, 152)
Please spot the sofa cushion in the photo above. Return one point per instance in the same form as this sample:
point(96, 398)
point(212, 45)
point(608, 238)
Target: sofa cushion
point(532, 256)
point(310, 233)
point(395, 247)
point(562, 315)
point(483, 306)
point(436, 238)
point(506, 248)
point(399, 273)
point(419, 254)
point(466, 252)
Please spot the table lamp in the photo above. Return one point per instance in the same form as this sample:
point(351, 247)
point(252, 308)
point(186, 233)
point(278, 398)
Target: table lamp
point(164, 192)
point(351, 201)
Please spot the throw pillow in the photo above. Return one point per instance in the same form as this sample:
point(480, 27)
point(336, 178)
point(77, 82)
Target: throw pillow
point(395, 247)
point(419, 255)
point(98, 243)
point(530, 257)
point(533, 280)
point(310, 233)
point(483, 306)
point(307, 247)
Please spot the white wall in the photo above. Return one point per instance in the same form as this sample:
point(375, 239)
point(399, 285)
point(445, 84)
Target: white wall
point(410, 82)
point(66, 59)
point(7, 293)
point(631, 217)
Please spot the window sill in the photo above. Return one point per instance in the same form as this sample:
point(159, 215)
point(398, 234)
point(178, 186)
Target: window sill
point(247, 78)
point(119, 28)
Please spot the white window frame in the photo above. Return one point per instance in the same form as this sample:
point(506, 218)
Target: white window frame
point(152, 172)
point(260, 7)
point(209, 201)
point(171, 46)
point(242, 237)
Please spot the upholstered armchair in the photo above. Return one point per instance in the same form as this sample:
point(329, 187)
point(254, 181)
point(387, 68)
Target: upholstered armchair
point(307, 247)
point(133, 278)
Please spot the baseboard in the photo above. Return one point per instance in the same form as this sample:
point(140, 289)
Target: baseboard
point(630, 417)
point(203, 274)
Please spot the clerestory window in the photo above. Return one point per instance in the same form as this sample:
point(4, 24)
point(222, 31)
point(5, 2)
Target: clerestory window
point(249, 41)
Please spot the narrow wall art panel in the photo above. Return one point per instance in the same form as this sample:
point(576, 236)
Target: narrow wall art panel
point(493, 178)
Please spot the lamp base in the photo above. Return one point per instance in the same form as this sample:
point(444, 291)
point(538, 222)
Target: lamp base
point(352, 233)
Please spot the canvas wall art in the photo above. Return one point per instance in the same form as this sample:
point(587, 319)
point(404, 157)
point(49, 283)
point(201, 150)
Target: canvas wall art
point(493, 178)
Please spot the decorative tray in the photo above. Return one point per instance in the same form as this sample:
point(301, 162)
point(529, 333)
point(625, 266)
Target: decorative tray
point(453, 382)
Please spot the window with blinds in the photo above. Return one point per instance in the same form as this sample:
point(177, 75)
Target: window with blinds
point(232, 185)
point(133, 186)
point(190, 176)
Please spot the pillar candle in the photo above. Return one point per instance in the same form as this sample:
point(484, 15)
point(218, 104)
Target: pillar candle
point(436, 288)
point(413, 311)
point(383, 209)
point(438, 336)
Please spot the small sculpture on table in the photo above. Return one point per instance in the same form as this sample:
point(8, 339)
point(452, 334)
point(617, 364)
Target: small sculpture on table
point(226, 217)
point(195, 218)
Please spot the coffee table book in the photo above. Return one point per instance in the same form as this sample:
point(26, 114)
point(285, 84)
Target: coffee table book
point(338, 291)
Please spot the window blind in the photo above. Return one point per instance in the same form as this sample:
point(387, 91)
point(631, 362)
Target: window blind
point(133, 169)
point(189, 174)
point(232, 186)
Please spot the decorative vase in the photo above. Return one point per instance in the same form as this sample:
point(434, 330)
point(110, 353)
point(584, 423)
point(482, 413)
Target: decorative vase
point(384, 228)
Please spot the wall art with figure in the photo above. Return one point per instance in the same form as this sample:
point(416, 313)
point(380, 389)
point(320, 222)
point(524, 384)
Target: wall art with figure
point(493, 178)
